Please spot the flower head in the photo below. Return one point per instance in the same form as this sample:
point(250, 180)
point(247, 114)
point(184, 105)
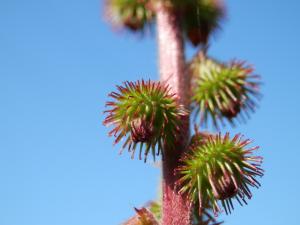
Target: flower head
point(132, 14)
point(200, 18)
point(144, 113)
point(218, 170)
point(223, 91)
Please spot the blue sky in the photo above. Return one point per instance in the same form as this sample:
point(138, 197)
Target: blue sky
point(58, 61)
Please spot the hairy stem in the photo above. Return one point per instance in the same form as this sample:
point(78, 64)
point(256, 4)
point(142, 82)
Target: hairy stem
point(176, 208)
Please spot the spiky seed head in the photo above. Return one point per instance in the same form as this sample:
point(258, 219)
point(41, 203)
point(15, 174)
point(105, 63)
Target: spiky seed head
point(219, 170)
point(131, 14)
point(200, 18)
point(223, 91)
point(145, 114)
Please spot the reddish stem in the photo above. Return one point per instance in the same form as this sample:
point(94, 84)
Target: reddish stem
point(176, 208)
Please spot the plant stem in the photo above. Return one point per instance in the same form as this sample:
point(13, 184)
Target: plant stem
point(176, 208)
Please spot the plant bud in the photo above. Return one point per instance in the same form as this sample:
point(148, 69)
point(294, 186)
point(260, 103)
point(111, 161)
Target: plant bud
point(145, 114)
point(222, 91)
point(219, 169)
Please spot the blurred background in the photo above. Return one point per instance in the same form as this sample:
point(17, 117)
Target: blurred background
point(58, 62)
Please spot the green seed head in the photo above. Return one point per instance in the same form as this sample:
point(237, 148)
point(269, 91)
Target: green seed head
point(218, 170)
point(223, 91)
point(145, 114)
point(199, 18)
point(131, 14)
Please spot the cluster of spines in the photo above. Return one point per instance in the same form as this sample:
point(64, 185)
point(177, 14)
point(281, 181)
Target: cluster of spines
point(223, 91)
point(134, 15)
point(219, 169)
point(200, 18)
point(146, 113)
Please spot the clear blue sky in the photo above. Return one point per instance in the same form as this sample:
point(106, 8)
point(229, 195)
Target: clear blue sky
point(58, 61)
